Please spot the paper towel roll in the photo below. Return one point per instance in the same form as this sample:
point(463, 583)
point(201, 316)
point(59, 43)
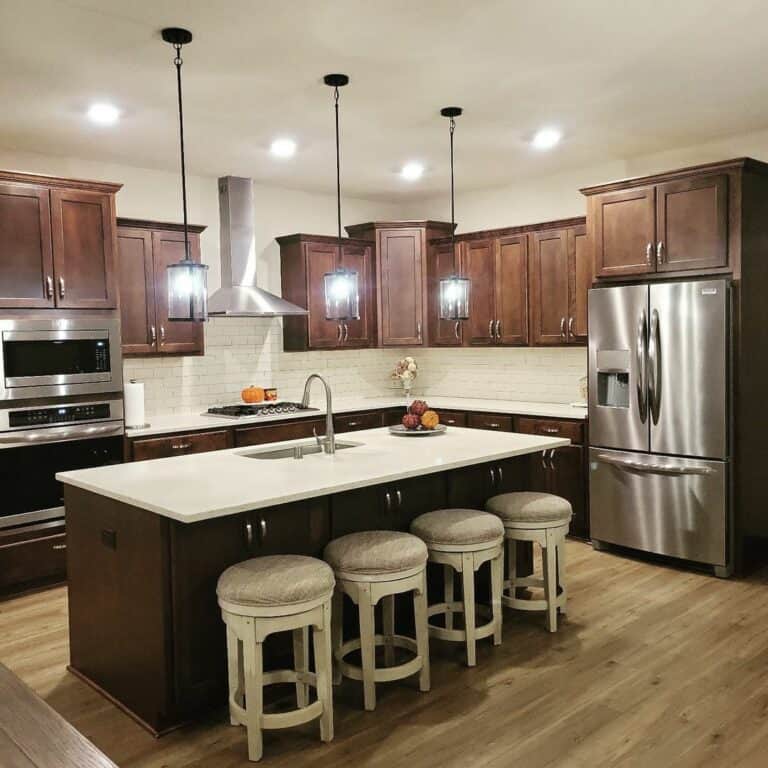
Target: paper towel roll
point(134, 404)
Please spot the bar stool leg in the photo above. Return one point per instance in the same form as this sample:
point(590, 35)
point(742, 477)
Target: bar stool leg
point(367, 645)
point(337, 631)
point(468, 586)
point(321, 638)
point(561, 573)
point(254, 691)
point(448, 595)
point(512, 566)
point(234, 670)
point(422, 632)
point(388, 610)
point(301, 663)
point(497, 586)
point(549, 563)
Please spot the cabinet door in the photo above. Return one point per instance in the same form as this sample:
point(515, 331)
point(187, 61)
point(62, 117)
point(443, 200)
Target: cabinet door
point(274, 433)
point(174, 336)
point(359, 333)
point(511, 289)
point(478, 262)
point(26, 257)
point(442, 262)
point(579, 282)
point(692, 223)
point(362, 509)
point(402, 283)
point(414, 497)
point(625, 231)
point(568, 479)
point(300, 528)
point(549, 287)
point(321, 258)
point(136, 286)
point(83, 231)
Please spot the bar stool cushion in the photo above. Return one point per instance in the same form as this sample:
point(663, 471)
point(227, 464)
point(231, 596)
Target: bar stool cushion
point(530, 507)
point(276, 580)
point(376, 553)
point(455, 527)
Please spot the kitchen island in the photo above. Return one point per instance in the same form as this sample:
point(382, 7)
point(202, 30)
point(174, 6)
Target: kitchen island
point(146, 542)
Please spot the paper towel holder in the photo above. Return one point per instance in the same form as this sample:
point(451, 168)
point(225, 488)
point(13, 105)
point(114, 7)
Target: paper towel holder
point(145, 425)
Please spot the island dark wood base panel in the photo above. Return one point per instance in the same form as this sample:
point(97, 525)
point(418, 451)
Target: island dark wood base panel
point(144, 624)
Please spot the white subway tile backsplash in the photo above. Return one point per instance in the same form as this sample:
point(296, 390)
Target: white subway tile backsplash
point(243, 351)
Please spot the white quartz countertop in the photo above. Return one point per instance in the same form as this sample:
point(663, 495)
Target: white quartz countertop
point(180, 422)
point(206, 485)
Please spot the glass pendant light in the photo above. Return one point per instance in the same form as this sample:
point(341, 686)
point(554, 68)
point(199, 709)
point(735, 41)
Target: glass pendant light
point(187, 280)
point(342, 298)
point(454, 290)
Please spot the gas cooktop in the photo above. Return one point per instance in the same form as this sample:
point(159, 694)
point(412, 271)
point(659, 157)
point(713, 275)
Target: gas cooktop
point(256, 409)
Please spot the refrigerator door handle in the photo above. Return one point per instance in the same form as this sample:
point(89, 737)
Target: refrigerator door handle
point(655, 469)
point(654, 372)
point(642, 366)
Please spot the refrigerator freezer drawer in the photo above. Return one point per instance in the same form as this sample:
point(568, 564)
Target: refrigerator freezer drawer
point(670, 506)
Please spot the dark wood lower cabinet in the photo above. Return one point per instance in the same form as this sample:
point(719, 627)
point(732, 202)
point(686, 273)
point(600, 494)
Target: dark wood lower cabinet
point(274, 433)
point(32, 556)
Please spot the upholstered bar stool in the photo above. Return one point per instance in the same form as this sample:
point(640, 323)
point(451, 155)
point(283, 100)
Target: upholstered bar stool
point(462, 540)
point(273, 594)
point(371, 566)
point(543, 518)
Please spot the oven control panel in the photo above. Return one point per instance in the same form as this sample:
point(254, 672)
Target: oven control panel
point(65, 414)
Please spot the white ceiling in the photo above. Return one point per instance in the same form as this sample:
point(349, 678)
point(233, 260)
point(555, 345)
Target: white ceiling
point(619, 78)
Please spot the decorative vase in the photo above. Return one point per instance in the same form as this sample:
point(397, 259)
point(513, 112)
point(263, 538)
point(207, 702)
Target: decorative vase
point(407, 386)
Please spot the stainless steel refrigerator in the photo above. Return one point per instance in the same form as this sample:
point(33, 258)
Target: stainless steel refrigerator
point(660, 419)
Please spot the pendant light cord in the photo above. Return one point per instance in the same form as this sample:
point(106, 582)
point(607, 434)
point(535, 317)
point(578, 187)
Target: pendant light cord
point(338, 166)
point(453, 215)
point(178, 62)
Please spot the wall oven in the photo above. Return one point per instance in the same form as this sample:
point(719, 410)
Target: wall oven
point(58, 357)
point(38, 441)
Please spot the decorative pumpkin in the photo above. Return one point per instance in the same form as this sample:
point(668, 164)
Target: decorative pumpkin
point(429, 419)
point(252, 394)
point(411, 421)
point(419, 407)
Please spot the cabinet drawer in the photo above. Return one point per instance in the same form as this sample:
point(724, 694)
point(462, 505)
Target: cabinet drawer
point(573, 430)
point(178, 445)
point(350, 422)
point(274, 433)
point(498, 421)
point(35, 555)
point(453, 418)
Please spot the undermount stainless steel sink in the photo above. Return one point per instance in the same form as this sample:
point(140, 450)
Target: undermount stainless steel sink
point(295, 451)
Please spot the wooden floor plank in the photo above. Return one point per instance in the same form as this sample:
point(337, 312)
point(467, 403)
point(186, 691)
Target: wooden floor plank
point(653, 667)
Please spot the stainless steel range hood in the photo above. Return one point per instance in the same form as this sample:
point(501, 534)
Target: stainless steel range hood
point(239, 296)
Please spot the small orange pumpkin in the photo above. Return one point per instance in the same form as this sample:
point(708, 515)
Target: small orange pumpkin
point(429, 419)
point(252, 394)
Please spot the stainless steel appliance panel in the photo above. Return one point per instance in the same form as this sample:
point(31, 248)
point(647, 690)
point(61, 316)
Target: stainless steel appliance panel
point(688, 368)
point(618, 407)
point(671, 506)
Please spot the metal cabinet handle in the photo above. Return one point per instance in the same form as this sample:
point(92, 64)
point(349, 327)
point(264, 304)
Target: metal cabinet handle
point(152, 334)
point(648, 253)
point(544, 460)
point(353, 423)
point(501, 473)
point(552, 460)
point(660, 252)
point(551, 430)
point(656, 469)
point(61, 287)
point(388, 501)
point(399, 497)
point(493, 424)
point(249, 535)
point(262, 529)
point(180, 446)
point(449, 421)
point(162, 334)
point(456, 330)
point(418, 330)
point(562, 327)
point(346, 332)
point(49, 286)
point(490, 328)
point(58, 547)
point(570, 326)
point(498, 329)
point(492, 472)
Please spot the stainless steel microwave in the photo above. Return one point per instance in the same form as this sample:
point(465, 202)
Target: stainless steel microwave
point(44, 357)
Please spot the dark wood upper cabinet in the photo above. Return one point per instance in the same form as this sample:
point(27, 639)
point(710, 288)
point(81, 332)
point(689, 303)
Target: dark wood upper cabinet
point(401, 277)
point(82, 227)
point(145, 249)
point(579, 282)
point(26, 256)
point(304, 262)
point(692, 223)
point(478, 264)
point(442, 262)
point(57, 242)
point(511, 295)
point(549, 287)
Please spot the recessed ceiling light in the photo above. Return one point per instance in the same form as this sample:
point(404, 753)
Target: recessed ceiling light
point(546, 138)
point(412, 171)
point(283, 148)
point(102, 113)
